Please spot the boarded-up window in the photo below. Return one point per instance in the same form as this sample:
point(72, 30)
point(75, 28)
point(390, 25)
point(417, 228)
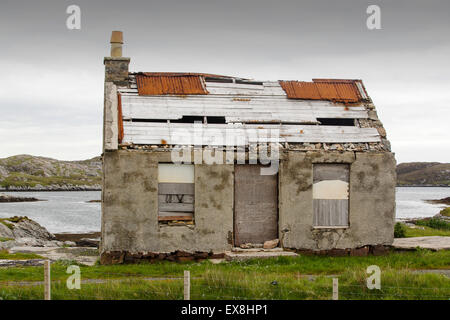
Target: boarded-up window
point(175, 192)
point(330, 195)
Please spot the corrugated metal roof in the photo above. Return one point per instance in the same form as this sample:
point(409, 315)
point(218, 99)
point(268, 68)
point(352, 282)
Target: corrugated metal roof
point(337, 90)
point(170, 83)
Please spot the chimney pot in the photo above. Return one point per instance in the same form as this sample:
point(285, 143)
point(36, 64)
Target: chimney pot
point(117, 37)
point(116, 44)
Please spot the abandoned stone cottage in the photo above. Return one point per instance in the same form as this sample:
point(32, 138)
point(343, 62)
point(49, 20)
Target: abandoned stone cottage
point(307, 163)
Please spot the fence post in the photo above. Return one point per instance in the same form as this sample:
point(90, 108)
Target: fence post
point(187, 285)
point(335, 289)
point(47, 281)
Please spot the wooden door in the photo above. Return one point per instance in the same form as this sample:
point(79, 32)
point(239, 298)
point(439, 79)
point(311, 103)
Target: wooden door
point(255, 205)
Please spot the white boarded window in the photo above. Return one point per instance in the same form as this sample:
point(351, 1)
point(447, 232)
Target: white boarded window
point(175, 192)
point(330, 195)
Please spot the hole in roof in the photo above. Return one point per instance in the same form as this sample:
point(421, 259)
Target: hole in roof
point(256, 83)
point(188, 119)
point(221, 80)
point(215, 119)
point(336, 122)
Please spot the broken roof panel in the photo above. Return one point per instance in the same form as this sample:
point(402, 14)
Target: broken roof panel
point(170, 83)
point(336, 90)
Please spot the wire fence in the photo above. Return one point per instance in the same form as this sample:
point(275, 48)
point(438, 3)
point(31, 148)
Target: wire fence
point(212, 287)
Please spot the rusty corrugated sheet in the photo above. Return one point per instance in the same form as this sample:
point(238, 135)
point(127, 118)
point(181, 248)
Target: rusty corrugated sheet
point(336, 90)
point(119, 118)
point(358, 86)
point(170, 83)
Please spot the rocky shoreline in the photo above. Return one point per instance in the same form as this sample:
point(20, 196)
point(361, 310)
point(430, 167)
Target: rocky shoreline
point(96, 187)
point(24, 232)
point(440, 201)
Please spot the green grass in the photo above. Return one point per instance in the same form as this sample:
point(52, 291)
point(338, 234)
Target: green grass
point(434, 223)
point(3, 239)
point(445, 212)
point(7, 224)
point(399, 230)
point(15, 219)
point(221, 283)
point(425, 232)
point(303, 277)
point(319, 265)
point(4, 254)
point(426, 227)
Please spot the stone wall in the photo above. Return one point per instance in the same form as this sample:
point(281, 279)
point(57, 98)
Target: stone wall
point(371, 207)
point(130, 226)
point(130, 207)
point(116, 70)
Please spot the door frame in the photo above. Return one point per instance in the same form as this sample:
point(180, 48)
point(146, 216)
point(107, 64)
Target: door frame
point(234, 238)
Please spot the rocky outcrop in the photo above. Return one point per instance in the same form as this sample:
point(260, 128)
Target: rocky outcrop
point(440, 201)
point(22, 231)
point(6, 198)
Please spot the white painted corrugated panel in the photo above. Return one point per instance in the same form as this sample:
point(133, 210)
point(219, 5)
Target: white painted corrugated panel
point(238, 134)
point(235, 109)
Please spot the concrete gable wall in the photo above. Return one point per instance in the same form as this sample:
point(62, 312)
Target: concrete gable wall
point(130, 206)
point(371, 208)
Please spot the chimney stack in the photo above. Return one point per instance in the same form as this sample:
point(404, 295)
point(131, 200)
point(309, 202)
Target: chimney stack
point(116, 66)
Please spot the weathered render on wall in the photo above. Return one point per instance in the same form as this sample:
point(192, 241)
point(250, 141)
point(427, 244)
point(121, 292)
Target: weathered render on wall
point(371, 209)
point(130, 218)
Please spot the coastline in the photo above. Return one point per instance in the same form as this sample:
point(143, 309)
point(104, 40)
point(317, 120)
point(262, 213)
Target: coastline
point(71, 188)
point(98, 188)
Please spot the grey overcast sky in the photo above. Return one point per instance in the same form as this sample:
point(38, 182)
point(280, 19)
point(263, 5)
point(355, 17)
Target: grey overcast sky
point(51, 83)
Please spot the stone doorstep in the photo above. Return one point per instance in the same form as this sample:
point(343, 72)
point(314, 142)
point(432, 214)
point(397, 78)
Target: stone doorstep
point(267, 253)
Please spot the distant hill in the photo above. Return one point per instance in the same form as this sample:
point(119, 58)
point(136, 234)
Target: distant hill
point(423, 174)
point(26, 172)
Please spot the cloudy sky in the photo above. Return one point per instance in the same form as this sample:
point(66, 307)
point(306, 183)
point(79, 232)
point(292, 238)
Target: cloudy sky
point(51, 84)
